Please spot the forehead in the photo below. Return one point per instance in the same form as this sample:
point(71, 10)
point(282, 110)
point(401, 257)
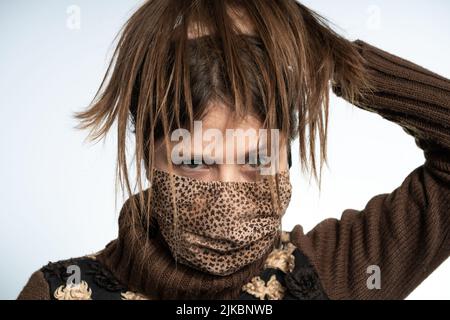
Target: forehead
point(220, 120)
point(220, 131)
point(218, 116)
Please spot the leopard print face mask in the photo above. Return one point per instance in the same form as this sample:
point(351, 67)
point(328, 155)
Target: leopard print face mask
point(222, 226)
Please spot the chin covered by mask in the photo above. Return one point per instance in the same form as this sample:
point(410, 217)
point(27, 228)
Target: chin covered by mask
point(221, 226)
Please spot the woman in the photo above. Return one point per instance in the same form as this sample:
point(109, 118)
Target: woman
point(211, 229)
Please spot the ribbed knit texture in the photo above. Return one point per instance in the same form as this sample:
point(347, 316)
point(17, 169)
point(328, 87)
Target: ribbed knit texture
point(37, 288)
point(407, 232)
point(149, 268)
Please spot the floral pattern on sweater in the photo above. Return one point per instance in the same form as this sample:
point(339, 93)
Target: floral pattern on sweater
point(287, 275)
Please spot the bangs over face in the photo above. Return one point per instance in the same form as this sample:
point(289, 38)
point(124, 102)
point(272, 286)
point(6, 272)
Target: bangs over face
point(274, 59)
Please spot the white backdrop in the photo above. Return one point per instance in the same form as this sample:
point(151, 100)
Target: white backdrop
point(57, 193)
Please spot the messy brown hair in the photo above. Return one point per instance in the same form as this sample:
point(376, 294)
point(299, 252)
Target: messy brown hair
point(275, 59)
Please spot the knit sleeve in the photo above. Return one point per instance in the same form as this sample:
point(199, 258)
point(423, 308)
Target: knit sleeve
point(36, 288)
point(406, 233)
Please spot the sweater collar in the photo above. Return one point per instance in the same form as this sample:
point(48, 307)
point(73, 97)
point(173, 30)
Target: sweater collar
point(148, 266)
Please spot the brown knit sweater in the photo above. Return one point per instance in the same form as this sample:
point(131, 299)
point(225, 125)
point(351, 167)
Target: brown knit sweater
point(405, 233)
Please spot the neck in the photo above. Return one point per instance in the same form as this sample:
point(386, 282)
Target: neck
point(141, 260)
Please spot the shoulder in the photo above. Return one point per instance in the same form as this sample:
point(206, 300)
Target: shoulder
point(82, 278)
point(36, 288)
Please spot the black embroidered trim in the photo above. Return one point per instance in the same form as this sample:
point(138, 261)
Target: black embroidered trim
point(302, 283)
point(103, 278)
point(58, 269)
point(103, 284)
